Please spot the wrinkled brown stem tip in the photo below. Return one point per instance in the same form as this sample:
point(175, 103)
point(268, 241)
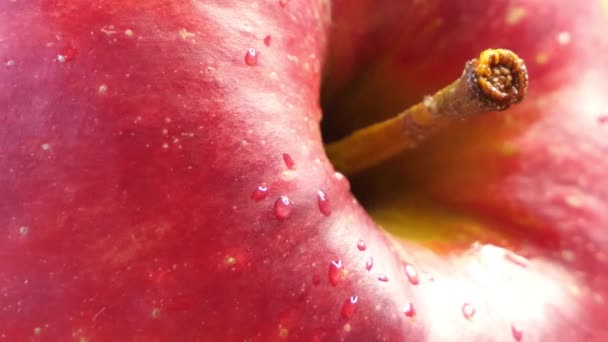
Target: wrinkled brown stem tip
point(500, 77)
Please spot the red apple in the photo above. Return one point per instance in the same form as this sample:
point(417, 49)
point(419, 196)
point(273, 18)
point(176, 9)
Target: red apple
point(163, 177)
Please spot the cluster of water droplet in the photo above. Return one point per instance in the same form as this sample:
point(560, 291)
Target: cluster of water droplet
point(283, 206)
point(337, 272)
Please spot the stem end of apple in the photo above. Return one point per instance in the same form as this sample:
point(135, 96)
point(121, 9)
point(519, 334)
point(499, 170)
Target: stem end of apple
point(492, 82)
point(499, 77)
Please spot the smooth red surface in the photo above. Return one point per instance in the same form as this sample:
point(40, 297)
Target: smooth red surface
point(133, 135)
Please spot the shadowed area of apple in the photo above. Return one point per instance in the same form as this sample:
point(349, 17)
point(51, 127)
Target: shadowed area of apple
point(480, 180)
point(492, 82)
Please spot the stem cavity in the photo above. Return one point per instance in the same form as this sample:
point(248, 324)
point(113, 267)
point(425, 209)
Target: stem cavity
point(492, 82)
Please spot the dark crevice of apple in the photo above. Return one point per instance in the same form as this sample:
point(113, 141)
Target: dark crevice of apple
point(492, 82)
point(396, 199)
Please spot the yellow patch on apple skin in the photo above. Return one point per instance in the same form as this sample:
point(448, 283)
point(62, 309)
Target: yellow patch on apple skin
point(567, 255)
point(573, 201)
point(541, 58)
point(515, 15)
point(289, 175)
point(574, 289)
point(508, 149)
point(23, 230)
point(433, 225)
point(507, 120)
point(434, 24)
point(598, 298)
point(185, 34)
point(230, 260)
point(605, 6)
point(102, 89)
point(155, 314)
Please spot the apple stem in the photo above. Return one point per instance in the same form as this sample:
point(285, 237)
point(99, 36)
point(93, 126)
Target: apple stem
point(492, 82)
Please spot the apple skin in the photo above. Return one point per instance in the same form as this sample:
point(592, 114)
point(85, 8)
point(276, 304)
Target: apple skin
point(134, 134)
point(127, 170)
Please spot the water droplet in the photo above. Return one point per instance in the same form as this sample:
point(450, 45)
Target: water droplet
point(603, 119)
point(518, 334)
point(369, 263)
point(468, 311)
point(260, 193)
point(66, 54)
point(283, 3)
point(324, 205)
point(383, 278)
point(335, 272)
point(349, 307)
point(412, 274)
point(267, 40)
point(563, 38)
point(342, 179)
point(282, 208)
point(251, 57)
point(361, 245)
point(516, 259)
point(102, 89)
point(155, 313)
point(289, 161)
point(409, 310)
